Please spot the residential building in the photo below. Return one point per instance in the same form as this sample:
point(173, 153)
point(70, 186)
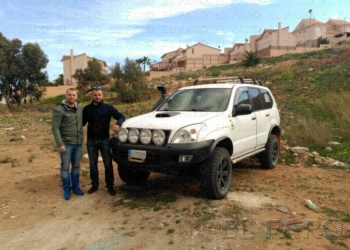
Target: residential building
point(274, 42)
point(71, 63)
point(191, 58)
point(195, 57)
point(338, 31)
point(309, 30)
point(165, 64)
point(337, 26)
point(238, 51)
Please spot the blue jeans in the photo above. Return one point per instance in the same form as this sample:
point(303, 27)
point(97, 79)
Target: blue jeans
point(93, 146)
point(71, 156)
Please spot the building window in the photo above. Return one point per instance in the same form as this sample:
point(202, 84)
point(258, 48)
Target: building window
point(192, 51)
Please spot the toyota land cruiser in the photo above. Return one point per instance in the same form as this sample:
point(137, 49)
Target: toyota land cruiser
point(201, 129)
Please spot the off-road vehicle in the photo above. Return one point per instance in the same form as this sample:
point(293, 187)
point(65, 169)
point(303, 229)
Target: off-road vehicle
point(201, 129)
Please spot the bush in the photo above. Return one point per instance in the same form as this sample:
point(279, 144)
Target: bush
point(130, 83)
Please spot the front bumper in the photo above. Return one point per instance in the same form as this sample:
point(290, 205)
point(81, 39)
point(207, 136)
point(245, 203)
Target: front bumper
point(159, 159)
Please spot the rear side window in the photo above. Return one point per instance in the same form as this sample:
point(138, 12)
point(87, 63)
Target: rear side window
point(255, 96)
point(266, 99)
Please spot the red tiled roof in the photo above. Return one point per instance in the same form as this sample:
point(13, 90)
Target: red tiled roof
point(338, 22)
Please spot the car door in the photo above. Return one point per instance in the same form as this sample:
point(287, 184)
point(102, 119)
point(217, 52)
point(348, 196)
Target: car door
point(243, 127)
point(262, 114)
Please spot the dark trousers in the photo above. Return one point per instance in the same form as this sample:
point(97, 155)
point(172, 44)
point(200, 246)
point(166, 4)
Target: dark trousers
point(93, 146)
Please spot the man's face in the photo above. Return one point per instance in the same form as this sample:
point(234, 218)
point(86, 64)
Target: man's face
point(97, 96)
point(71, 96)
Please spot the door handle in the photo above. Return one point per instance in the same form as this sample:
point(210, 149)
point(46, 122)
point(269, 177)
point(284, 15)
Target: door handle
point(267, 115)
point(253, 118)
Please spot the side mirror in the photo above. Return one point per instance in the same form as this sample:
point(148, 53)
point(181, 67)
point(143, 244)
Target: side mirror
point(243, 109)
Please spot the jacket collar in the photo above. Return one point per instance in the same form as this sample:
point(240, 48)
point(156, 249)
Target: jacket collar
point(99, 104)
point(64, 103)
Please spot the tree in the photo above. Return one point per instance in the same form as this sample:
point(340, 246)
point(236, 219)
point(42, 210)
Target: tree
point(32, 78)
point(59, 80)
point(139, 62)
point(322, 40)
point(130, 83)
point(145, 61)
point(251, 59)
point(21, 70)
point(91, 76)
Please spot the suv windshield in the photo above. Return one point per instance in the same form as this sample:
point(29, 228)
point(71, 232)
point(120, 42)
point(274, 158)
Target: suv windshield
point(206, 99)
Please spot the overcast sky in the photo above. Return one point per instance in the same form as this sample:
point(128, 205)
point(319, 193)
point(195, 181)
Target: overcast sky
point(112, 30)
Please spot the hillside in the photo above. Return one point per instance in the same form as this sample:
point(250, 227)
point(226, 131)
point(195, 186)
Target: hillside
point(265, 209)
point(312, 91)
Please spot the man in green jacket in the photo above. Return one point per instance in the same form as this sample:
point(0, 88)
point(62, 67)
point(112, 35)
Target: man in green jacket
point(67, 129)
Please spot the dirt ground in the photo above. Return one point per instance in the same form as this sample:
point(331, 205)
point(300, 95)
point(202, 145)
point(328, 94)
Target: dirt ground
point(170, 213)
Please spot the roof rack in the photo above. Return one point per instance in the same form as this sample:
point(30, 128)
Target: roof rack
point(234, 79)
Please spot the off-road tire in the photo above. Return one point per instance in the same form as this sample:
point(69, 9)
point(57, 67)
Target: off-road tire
point(215, 174)
point(269, 158)
point(130, 175)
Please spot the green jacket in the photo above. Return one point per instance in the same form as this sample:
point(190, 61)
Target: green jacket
point(67, 125)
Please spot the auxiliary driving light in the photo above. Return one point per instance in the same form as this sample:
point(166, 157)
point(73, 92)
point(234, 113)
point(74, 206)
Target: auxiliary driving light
point(185, 158)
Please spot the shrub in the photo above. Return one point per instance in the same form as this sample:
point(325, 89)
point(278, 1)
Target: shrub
point(130, 83)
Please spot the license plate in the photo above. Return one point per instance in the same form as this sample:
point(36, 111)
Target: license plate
point(136, 155)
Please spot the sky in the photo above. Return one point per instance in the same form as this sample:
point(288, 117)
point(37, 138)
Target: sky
point(113, 30)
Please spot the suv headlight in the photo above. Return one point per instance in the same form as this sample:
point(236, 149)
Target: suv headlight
point(188, 134)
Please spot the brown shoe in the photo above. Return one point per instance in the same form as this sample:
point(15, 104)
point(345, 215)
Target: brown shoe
point(93, 189)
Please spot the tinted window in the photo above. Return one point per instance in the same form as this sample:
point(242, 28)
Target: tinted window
point(256, 99)
point(243, 98)
point(266, 99)
point(204, 99)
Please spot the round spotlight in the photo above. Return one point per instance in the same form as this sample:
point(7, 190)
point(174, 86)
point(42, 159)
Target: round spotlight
point(145, 136)
point(133, 136)
point(123, 135)
point(158, 137)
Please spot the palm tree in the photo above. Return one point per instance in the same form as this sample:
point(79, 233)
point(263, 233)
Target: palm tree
point(139, 62)
point(145, 61)
point(252, 59)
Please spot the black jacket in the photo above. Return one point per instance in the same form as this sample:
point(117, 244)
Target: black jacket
point(98, 118)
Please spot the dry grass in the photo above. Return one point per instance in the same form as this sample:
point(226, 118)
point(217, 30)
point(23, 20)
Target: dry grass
point(306, 129)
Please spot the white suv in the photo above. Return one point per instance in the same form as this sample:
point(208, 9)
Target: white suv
point(201, 129)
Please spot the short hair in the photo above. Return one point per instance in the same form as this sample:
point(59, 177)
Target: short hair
point(71, 89)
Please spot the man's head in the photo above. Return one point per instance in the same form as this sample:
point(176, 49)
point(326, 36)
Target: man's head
point(71, 96)
point(97, 95)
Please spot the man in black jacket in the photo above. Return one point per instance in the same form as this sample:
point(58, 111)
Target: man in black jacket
point(98, 116)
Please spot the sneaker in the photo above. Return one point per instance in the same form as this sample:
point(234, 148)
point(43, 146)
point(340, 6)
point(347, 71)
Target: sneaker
point(66, 194)
point(111, 191)
point(78, 191)
point(93, 189)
